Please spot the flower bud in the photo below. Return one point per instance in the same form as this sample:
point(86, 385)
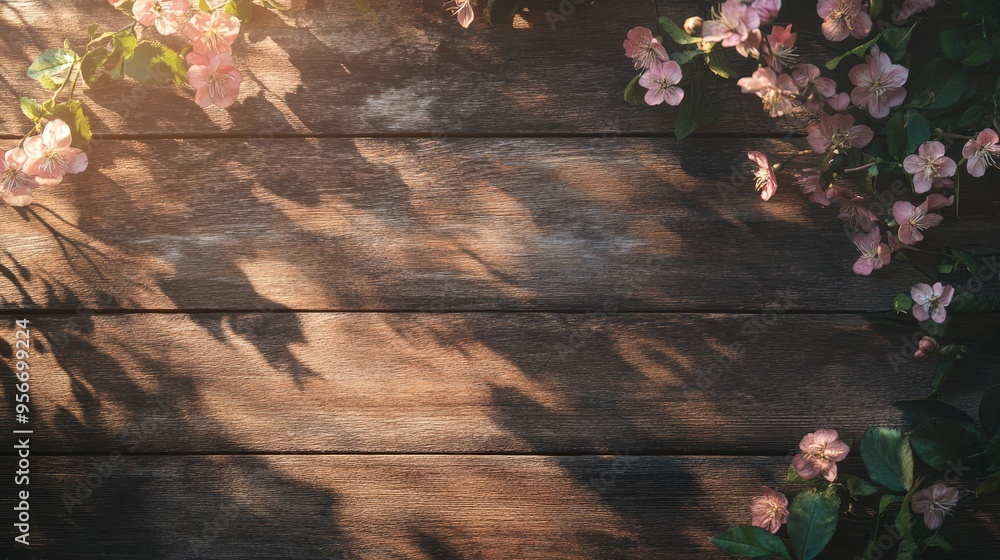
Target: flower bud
point(692, 26)
point(926, 347)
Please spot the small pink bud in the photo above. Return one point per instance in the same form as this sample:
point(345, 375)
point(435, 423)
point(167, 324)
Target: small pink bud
point(926, 347)
point(692, 26)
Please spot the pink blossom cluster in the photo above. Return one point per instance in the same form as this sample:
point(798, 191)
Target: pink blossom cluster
point(661, 75)
point(212, 71)
point(41, 160)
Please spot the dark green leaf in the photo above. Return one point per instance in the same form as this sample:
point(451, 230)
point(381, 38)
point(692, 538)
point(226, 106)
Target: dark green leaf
point(718, 63)
point(989, 486)
point(753, 542)
point(683, 57)
point(685, 123)
point(935, 541)
point(928, 408)
point(793, 476)
point(950, 92)
point(152, 63)
point(243, 9)
point(895, 132)
point(896, 41)
point(918, 131)
point(980, 53)
point(634, 93)
point(992, 454)
point(887, 456)
point(989, 408)
point(92, 65)
point(858, 51)
point(812, 521)
point(31, 109)
point(53, 64)
point(940, 375)
point(943, 443)
point(952, 45)
point(676, 33)
point(886, 501)
point(857, 486)
point(903, 303)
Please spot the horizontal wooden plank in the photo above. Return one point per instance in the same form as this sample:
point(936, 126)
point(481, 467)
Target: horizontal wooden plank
point(465, 224)
point(305, 507)
point(330, 70)
point(464, 383)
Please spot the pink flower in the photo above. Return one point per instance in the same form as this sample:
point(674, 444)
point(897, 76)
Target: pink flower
point(213, 33)
point(769, 511)
point(927, 164)
point(840, 102)
point(982, 151)
point(217, 81)
point(661, 80)
point(911, 8)
point(644, 49)
point(934, 502)
point(844, 17)
point(732, 24)
point(810, 183)
point(777, 92)
point(50, 155)
point(15, 184)
point(821, 451)
point(162, 14)
point(814, 88)
point(879, 84)
point(751, 46)
point(874, 253)
point(767, 10)
point(764, 178)
point(930, 301)
point(939, 201)
point(780, 52)
point(926, 347)
point(463, 10)
point(838, 131)
point(913, 220)
point(852, 209)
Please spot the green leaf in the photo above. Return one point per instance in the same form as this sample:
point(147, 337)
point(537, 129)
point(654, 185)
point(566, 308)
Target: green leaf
point(875, 7)
point(31, 109)
point(71, 112)
point(971, 117)
point(858, 51)
point(918, 130)
point(989, 486)
point(903, 303)
point(92, 65)
point(242, 9)
point(683, 57)
point(126, 7)
point(952, 45)
point(92, 29)
point(940, 375)
point(634, 93)
point(896, 41)
point(895, 132)
point(53, 64)
point(989, 406)
point(888, 458)
point(793, 476)
point(812, 521)
point(929, 408)
point(718, 63)
point(685, 123)
point(857, 486)
point(886, 501)
point(752, 542)
point(935, 541)
point(943, 443)
point(904, 526)
point(676, 33)
point(365, 10)
point(153, 63)
point(992, 454)
point(980, 53)
point(951, 91)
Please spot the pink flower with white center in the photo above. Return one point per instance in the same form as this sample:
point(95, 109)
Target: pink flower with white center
point(844, 17)
point(162, 14)
point(770, 511)
point(780, 51)
point(767, 10)
point(821, 451)
point(15, 184)
point(926, 347)
point(644, 49)
point(838, 132)
point(911, 8)
point(913, 220)
point(874, 253)
point(853, 210)
point(661, 82)
point(750, 48)
point(213, 33)
point(216, 82)
point(939, 201)
point(929, 301)
point(811, 184)
point(463, 10)
point(765, 179)
point(982, 151)
point(927, 164)
point(812, 87)
point(840, 102)
point(879, 84)
point(50, 154)
point(934, 502)
point(777, 92)
point(731, 25)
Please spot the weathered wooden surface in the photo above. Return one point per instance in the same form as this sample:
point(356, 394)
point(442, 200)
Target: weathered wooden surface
point(429, 506)
point(329, 70)
point(460, 224)
point(467, 383)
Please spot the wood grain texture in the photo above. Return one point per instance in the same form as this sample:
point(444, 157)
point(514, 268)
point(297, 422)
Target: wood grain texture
point(330, 70)
point(440, 507)
point(463, 224)
point(467, 383)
